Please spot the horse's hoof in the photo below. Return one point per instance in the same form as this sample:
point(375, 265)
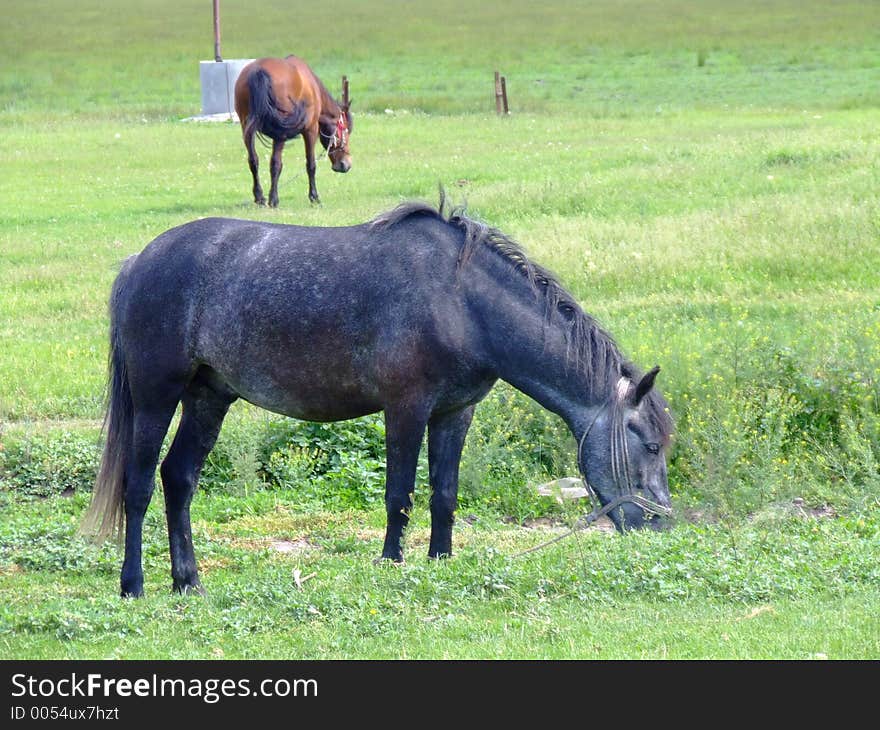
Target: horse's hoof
point(131, 594)
point(190, 590)
point(398, 562)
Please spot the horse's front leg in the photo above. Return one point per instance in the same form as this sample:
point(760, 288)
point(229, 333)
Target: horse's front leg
point(310, 136)
point(275, 170)
point(404, 429)
point(446, 436)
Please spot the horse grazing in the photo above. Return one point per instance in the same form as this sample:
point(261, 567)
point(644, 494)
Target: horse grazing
point(416, 313)
point(282, 99)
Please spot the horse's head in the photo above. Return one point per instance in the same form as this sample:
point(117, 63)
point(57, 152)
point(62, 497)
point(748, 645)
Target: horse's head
point(622, 453)
point(335, 132)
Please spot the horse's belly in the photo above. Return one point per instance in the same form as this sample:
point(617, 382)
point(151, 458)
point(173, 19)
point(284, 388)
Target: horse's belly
point(311, 396)
point(336, 408)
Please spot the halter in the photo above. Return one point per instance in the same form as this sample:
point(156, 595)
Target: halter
point(619, 445)
point(339, 137)
point(619, 471)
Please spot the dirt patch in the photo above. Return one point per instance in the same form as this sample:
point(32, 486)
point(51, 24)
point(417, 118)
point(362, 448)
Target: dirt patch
point(603, 524)
point(286, 547)
point(823, 511)
point(206, 565)
point(281, 545)
point(697, 516)
point(797, 507)
point(542, 523)
point(417, 538)
point(757, 611)
point(280, 520)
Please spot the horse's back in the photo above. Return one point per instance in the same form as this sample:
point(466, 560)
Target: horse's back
point(292, 82)
point(351, 275)
point(313, 322)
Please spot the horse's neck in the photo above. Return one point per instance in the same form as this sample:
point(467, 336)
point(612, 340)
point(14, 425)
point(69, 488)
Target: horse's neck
point(330, 110)
point(537, 354)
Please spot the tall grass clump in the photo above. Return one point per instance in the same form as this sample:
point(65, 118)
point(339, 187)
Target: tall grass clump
point(768, 426)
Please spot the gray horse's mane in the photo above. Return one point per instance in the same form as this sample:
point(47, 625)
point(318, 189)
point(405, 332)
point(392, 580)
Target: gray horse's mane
point(589, 348)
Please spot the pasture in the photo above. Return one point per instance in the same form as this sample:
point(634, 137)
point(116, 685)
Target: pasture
point(702, 177)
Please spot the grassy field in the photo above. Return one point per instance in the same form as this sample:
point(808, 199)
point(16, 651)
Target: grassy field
point(703, 177)
point(781, 588)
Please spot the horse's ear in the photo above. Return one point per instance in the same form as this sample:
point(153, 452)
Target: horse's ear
point(646, 383)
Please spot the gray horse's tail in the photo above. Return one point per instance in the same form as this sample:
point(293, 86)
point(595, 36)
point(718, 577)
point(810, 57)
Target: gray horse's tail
point(105, 515)
point(265, 117)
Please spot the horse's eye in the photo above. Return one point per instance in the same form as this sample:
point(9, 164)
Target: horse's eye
point(653, 448)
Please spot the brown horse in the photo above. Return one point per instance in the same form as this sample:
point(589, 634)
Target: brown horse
point(281, 99)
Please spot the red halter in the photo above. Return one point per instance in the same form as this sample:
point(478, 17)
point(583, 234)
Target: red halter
point(340, 136)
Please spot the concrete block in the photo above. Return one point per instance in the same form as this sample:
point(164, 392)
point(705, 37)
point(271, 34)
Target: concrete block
point(564, 488)
point(218, 84)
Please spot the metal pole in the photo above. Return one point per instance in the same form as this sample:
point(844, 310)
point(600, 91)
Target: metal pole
point(217, 56)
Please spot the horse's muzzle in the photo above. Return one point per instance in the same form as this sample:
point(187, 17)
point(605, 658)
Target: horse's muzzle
point(660, 523)
point(632, 517)
point(342, 166)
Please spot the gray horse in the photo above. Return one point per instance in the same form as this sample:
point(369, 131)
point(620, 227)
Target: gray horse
point(416, 313)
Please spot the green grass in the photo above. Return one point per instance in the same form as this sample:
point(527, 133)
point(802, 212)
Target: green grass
point(597, 59)
point(682, 221)
point(784, 587)
point(703, 177)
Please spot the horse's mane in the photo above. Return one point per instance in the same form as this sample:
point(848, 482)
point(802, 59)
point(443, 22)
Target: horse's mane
point(589, 348)
point(332, 98)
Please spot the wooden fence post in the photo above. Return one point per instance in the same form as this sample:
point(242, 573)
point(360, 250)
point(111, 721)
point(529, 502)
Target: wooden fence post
point(501, 106)
point(217, 57)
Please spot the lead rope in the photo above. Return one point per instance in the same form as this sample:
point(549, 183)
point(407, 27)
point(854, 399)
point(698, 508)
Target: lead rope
point(584, 522)
point(303, 172)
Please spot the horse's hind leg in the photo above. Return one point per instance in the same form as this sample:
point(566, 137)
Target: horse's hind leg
point(404, 429)
point(203, 413)
point(254, 164)
point(446, 436)
point(149, 428)
point(275, 170)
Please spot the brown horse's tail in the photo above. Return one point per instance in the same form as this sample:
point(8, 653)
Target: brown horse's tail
point(265, 117)
point(105, 514)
